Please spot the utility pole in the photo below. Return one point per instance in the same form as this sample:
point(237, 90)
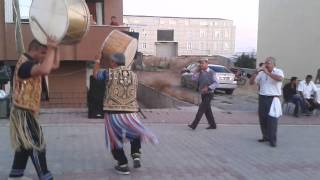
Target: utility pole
point(18, 32)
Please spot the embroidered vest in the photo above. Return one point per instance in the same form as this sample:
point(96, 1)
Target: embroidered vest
point(26, 92)
point(121, 91)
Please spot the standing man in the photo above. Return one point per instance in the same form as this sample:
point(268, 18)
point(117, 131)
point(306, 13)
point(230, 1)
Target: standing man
point(120, 105)
point(269, 78)
point(29, 85)
point(207, 83)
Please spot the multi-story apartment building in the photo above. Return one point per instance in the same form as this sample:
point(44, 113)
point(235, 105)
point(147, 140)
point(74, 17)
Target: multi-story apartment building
point(185, 36)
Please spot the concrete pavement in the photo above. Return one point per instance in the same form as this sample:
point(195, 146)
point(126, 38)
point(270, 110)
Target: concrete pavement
point(76, 149)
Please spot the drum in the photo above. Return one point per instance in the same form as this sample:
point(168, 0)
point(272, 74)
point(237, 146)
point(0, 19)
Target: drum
point(66, 20)
point(119, 42)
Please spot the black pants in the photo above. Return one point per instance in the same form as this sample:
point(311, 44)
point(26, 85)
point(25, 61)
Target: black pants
point(38, 157)
point(312, 106)
point(120, 156)
point(204, 108)
point(268, 124)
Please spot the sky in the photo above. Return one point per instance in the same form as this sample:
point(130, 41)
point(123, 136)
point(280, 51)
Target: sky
point(244, 14)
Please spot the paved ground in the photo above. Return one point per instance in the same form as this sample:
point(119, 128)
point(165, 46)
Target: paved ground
point(76, 148)
point(230, 153)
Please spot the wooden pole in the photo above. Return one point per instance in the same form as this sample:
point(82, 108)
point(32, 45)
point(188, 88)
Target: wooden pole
point(18, 32)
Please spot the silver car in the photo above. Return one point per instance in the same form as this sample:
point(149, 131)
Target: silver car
point(224, 75)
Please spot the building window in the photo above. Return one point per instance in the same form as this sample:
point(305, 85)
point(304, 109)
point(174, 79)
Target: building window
point(217, 35)
point(202, 33)
point(144, 45)
point(186, 22)
point(165, 35)
point(201, 46)
point(226, 46)
point(189, 45)
point(227, 34)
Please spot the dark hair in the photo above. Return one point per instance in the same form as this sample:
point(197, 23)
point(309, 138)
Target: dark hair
point(293, 79)
point(261, 64)
point(113, 17)
point(35, 45)
point(309, 76)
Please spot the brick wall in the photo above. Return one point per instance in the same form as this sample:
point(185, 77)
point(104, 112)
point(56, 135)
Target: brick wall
point(67, 86)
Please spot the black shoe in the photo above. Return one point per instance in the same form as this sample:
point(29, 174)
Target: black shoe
point(136, 160)
point(273, 144)
point(263, 140)
point(190, 126)
point(122, 169)
point(212, 127)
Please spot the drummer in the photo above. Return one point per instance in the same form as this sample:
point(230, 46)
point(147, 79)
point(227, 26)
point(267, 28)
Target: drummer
point(121, 119)
point(29, 86)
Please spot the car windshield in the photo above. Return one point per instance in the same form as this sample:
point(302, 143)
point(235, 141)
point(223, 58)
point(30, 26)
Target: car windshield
point(219, 69)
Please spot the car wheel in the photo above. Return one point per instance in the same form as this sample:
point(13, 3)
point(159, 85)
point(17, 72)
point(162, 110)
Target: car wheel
point(229, 91)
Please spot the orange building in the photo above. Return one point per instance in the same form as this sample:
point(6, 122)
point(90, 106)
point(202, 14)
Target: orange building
point(68, 85)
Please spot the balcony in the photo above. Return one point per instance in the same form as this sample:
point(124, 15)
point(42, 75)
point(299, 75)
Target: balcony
point(83, 51)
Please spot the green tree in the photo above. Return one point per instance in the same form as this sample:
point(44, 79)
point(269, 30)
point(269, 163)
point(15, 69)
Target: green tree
point(246, 61)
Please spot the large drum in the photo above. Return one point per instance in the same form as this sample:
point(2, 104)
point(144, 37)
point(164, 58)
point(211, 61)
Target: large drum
point(118, 42)
point(66, 20)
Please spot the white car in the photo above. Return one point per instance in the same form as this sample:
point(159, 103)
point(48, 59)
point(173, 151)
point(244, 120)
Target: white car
point(224, 75)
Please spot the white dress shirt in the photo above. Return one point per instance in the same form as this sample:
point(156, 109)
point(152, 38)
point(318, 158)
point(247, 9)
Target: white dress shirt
point(307, 89)
point(269, 86)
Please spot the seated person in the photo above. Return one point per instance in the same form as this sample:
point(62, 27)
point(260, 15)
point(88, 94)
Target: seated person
point(290, 94)
point(307, 89)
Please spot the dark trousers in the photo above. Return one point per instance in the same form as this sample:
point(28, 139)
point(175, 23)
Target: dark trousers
point(204, 108)
point(268, 124)
point(298, 102)
point(312, 106)
point(38, 157)
point(119, 154)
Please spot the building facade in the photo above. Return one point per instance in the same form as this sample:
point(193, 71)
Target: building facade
point(289, 31)
point(69, 84)
point(189, 36)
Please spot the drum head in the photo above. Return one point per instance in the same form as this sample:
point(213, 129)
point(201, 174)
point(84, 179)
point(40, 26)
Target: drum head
point(48, 17)
point(119, 42)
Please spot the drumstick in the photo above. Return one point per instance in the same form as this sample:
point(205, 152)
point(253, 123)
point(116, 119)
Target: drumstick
point(38, 24)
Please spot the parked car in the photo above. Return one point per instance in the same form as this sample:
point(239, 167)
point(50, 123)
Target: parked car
point(224, 76)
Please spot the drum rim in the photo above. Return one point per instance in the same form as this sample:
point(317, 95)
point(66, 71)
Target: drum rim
point(86, 8)
point(60, 39)
point(134, 40)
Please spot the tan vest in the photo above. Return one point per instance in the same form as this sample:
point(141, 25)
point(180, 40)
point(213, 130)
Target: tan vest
point(121, 91)
point(26, 92)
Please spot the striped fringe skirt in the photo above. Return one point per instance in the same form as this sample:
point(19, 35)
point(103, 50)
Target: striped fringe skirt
point(25, 130)
point(123, 127)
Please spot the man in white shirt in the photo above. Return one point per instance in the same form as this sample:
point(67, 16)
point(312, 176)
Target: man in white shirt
point(269, 78)
point(308, 90)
